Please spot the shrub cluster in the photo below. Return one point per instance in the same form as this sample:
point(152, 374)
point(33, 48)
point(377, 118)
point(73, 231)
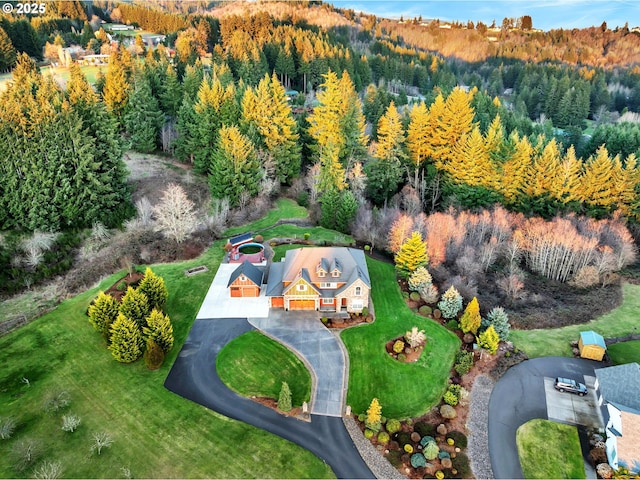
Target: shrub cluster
point(463, 362)
point(452, 395)
point(451, 303)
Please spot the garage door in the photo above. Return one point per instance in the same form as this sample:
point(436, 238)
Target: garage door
point(245, 292)
point(302, 305)
point(277, 302)
point(236, 291)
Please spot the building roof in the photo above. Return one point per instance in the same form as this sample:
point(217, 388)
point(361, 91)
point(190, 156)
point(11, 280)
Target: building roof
point(627, 445)
point(240, 239)
point(304, 262)
point(249, 270)
point(592, 338)
point(620, 385)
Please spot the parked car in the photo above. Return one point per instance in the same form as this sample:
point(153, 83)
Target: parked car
point(569, 385)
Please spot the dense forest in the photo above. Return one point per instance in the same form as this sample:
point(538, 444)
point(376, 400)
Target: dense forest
point(385, 118)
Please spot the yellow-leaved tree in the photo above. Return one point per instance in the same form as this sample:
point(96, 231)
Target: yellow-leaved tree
point(390, 135)
point(373, 420)
point(412, 255)
point(471, 320)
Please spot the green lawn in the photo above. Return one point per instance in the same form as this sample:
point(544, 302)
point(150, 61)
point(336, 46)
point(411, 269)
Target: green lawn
point(404, 390)
point(617, 323)
point(624, 352)
point(285, 208)
point(254, 364)
point(317, 234)
point(156, 433)
point(549, 450)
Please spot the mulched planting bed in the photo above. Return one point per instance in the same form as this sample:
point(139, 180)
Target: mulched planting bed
point(118, 289)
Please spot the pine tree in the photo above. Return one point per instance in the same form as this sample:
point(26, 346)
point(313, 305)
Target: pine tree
point(489, 340)
point(390, 136)
point(154, 288)
point(143, 118)
point(116, 87)
point(153, 355)
point(135, 306)
point(7, 52)
point(383, 179)
point(411, 256)
point(158, 327)
point(332, 173)
point(471, 320)
point(102, 313)
point(266, 109)
point(373, 420)
point(500, 321)
point(127, 342)
point(284, 398)
point(451, 303)
point(330, 203)
point(235, 168)
point(346, 213)
point(171, 93)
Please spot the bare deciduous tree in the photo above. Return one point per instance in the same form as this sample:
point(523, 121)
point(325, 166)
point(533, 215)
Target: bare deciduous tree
point(312, 181)
point(175, 216)
point(101, 440)
point(48, 471)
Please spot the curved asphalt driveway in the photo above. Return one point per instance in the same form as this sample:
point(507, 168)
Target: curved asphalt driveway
point(194, 376)
point(519, 396)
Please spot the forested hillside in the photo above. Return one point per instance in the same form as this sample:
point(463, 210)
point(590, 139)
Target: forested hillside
point(362, 119)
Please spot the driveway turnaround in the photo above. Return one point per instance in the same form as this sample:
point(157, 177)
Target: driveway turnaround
point(520, 396)
point(306, 335)
point(194, 377)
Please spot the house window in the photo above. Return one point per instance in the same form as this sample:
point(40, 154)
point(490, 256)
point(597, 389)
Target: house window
point(327, 285)
point(243, 278)
point(302, 287)
point(358, 291)
point(321, 273)
point(356, 304)
point(335, 273)
point(327, 301)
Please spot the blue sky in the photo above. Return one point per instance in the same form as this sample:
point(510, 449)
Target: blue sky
point(546, 14)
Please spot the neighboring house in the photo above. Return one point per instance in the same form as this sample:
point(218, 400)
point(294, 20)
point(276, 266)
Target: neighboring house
point(332, 279)
point(619, 389)
point(245, 281)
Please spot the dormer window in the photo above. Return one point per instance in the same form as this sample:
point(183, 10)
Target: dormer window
point(302, 287)
point(321, 273)
point(358, 291)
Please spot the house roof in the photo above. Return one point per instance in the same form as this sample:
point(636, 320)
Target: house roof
point(249, 270)
point(620, 385)
point(627, 445)
point(592, 338)
point(239, 239)
point(304, 275)
point(304, 262)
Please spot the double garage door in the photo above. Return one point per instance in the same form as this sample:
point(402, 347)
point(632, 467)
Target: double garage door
point(245, 292)
point(302, 304)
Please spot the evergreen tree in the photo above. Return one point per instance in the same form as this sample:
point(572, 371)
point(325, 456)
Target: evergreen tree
point(135, 306)
point(7, 52)
point(155, 290)
point(153, 355)
point(266, 109)
point(171, 93)
point(383, 180)
point(423, 133)
point(471, 320)
point(284, 398)
point(597, 186)
point(451, 303)
point(346, 213)
point(235, 168)
point(489, 340)
point(514, 170)
point(143, 118)
point(373, 420)
point(411, 256)
point(115, 92)
point(332, 173)
point(456, 120)
point(330, 204)
point(390, 136)
point(500, 321)
point(158, 327)
point(102, 313)
point(470, 163)
point(127, 342)
point(87, 34)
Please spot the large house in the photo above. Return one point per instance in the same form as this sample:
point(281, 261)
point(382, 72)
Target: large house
point(619, 389)
point(332, 279)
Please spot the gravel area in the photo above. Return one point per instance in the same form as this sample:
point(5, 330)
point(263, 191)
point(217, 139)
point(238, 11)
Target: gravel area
point(478, 426)
point(379, 465)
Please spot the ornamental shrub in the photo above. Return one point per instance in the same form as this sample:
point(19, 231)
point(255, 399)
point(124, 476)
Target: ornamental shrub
point(448, 412)
point(365, 311)
point(126, 340)
point(430, 450)
point(418, 460)
point(443, 454)
point(429, 293)
point(411, 256)
point(415, 337)
point(500, 321)
point(155, 290)
point(284, 399)
point(403, 438)
point(424, 429)
point(425, 310)
point(459, 438)
point(461, 464)
point(463, 362)
point(135, 306)
point(450, 398)
point(415, 296)
point(153, 355)
point(398, 346)
point(420, 278)
point(426, 439)
point(471, 320)
point(158, 327)
point(451, 303)
point(408, 448)
point(439, 475)
point(102, 313)
point(395, 457)
point(393, 425)
point(383, 438)
point(368, 434)
point(307, 236)
point(452, 325)
point(402, 357)
point(374, 414)
point(489, 340)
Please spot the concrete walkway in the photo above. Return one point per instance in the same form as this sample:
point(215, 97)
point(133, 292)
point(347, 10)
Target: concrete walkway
point(303, 333)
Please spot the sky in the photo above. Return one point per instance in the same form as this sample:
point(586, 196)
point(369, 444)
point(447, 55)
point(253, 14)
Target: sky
point(546, 14)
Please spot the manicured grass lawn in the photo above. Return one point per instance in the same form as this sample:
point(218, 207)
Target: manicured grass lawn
point(285, 208)
point(156, 433)
point(617, 323)
point(624, 352)
point(254, 364)
point(549, 450)
point(317, 234)
point(404, 390)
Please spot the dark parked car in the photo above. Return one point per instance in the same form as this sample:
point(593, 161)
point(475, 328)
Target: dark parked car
point(571, 386)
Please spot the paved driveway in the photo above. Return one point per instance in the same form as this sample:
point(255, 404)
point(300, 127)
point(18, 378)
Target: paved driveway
point(520, 396)
point(319, 348)
point(194, 376)
point(218, 303)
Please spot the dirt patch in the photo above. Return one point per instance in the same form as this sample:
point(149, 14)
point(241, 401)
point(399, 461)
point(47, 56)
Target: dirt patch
point(119, 288)
point(409, 354)
point(273, 404)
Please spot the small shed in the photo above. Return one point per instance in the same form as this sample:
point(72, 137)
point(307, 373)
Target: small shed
point(591, 345)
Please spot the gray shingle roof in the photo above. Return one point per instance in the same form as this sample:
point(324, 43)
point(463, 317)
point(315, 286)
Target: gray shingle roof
point(249, 270)
point(620, 385)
